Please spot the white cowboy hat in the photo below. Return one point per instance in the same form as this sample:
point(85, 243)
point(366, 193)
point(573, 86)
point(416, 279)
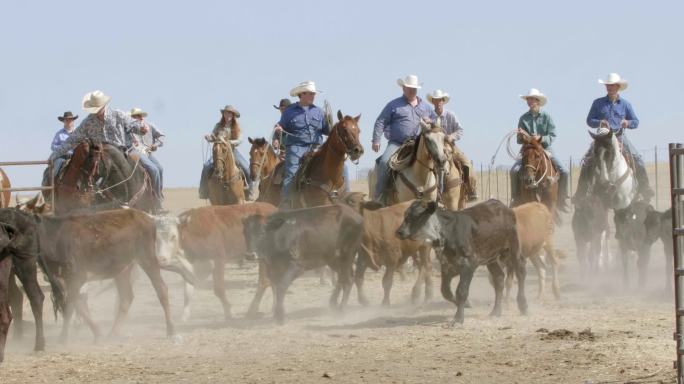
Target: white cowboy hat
point(534, 92)
point(438, 94)
point(410, 81)
point(137, 112)
point(304, 86)
point(614, 78)
point(94, 101)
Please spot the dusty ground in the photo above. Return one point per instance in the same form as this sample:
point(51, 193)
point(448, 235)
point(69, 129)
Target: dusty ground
point(597, 333)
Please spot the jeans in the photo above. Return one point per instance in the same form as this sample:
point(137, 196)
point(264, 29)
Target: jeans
point(293, 154)
point(154, 169)
point(241, 162)
point(382, 169)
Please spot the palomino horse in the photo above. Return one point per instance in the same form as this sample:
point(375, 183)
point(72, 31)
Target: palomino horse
point(226, 185)
point(262, 162)
point(539, 177)
point(5, 184)
point(100, 176)
point(320, 181)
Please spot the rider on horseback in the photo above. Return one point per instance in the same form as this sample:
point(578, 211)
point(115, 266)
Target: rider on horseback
point(616, 113)
point(228, 129)
point(451, 126)
point(398, 122)
point(68, 120)
point(143, 144)
point(278, 138)
point(538, 124)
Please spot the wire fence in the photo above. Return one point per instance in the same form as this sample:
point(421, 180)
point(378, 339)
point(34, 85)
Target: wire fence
point(494, 181)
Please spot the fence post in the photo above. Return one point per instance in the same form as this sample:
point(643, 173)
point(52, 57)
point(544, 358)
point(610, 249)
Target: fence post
point(496, 178)
point(655, 151)
point(570, 177)
point(489, 182)
point(508, 200)
point(481, 181)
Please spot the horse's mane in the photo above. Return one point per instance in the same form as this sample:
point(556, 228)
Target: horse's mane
point(259, 141)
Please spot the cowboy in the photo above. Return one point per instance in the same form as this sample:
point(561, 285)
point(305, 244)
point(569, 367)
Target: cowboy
point(539, 125)
point(278, 139)
point(613, 112)
point(68, 120)
point(304, 124)
point(398, 121)
point(452, 127)
point(143, 144)
point(228, 130)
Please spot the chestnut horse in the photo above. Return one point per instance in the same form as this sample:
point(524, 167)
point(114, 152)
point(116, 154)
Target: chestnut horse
point(99, 175)
point(320, 181)
point(225, 186)
point(262, 163)
point(539, 177)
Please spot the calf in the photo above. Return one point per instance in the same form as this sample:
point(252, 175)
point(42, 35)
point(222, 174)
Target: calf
point(292, 242)
point(484, 234)
point(630, 233)
point(659, 226)
point(590, 228)
point(215, 233)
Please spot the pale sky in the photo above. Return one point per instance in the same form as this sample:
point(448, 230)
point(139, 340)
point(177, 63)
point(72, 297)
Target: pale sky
point(183, 61)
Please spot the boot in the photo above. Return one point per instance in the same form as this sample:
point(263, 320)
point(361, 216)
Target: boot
point(563, 193)
point(582, 186)
point(470, 184)
point(642, 178)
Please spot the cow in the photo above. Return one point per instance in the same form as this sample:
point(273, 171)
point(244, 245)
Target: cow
point(295, 241)
point(19, 251)
point(535, 226)
point(215, 234)
point(659, 226)
point(103, 245)
point(484, 234)
point(630, 232)
point(590, 228)
point(380, 247)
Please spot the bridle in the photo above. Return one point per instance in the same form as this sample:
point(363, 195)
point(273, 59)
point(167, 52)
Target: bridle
point(535, 168)
point(346, 143)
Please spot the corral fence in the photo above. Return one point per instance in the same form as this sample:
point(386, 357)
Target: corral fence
point(29, 189)
point(677, 200)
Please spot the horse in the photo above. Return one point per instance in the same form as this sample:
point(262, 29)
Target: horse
point(613, 179)
point(101, 176)
point(5, 185)
point(320, 180)
point(262, 163)
point(539, 177)
point(226, 185)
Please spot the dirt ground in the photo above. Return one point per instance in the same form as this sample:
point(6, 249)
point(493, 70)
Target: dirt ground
point(599, 332)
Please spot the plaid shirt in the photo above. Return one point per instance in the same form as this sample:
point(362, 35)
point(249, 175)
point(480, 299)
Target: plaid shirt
point(114, 130)
point(449, 123)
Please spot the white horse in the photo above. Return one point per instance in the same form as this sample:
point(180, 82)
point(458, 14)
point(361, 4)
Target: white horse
point(613, 179)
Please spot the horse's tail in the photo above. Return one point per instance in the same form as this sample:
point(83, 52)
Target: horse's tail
point(58, 293)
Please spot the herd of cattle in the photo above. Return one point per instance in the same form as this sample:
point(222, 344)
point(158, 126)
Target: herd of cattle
point(348, 237)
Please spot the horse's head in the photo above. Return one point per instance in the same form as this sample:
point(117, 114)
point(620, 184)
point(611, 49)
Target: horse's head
point(221, 152)
point(433, 137)
point(258, 154)
point(344, 136)
point(533, 162)
point(605, 151)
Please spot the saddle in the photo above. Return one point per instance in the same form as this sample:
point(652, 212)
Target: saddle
point(304, 163)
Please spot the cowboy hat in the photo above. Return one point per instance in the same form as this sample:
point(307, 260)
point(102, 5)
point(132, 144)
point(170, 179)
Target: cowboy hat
point(438, 94)
point(614, 78)
point(232, 109)
point(534, 92)
point(304, 86)
point(283, 103)
point(410, 81)
point(67, 115)
point(94, 101)
point(138, 112)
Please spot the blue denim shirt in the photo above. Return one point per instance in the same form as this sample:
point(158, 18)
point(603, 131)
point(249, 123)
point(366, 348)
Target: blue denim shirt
point(399, 121)
point(614, 113)
point(304, 126)
point(60, 137)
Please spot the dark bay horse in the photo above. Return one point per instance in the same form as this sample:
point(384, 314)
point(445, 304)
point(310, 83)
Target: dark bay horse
point(539, 177)
point(262, 164)
point(226, 184)
point(100, 175)
point(320, 180)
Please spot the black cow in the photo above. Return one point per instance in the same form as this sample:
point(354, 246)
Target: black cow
point(484, 234)
point(630, 232)
point(659, 226)
point(291, 242)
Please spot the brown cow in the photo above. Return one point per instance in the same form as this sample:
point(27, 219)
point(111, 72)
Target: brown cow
point(102, 245)
point(215, 233)
point(535, 226)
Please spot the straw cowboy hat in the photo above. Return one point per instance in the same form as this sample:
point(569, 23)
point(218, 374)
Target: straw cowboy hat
point(94, 101)
point(138, 112)
point(304, 86)
point(410, 81)
point(283, 103)
point(67, 116)
point(534, 92)
point(614, 78)
point(438, 94)
point(232, 109)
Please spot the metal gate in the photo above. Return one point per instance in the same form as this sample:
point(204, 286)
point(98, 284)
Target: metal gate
point(677, 195)
point(28, 189)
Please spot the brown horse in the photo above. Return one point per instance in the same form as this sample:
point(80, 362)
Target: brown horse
point(5, 184)
point(226, 185)
point(99, 175)
point(539, 177)
point(320, 181)
point(262, 163)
